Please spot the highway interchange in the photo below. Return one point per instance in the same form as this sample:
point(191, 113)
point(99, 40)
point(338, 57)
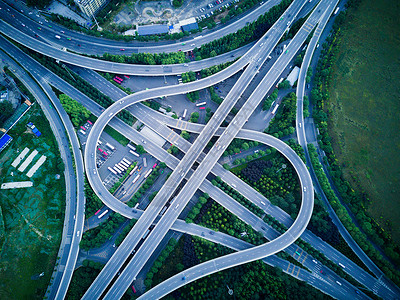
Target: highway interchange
point(251, 61)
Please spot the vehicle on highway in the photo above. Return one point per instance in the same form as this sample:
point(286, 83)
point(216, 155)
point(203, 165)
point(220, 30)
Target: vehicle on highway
point(58, 37)
point(103, 214)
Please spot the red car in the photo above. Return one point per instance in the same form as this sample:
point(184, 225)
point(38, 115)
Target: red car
point(122, 49)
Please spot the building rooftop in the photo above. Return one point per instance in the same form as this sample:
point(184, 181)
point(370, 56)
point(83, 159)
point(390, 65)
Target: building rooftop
point(152, 29)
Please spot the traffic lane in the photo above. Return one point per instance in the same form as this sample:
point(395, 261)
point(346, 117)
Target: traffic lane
point(107, 66)
point(110, 46)
point(211, 124)
point(56, 123)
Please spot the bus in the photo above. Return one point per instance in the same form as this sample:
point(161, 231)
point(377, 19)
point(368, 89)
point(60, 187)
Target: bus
point(103, 213)
point(275, 108)
point(136, 178)
point(81, 131)
point(144, 162)
point(133, 170)
point(134, 153)
point(127, 161)
point(89, 122)
point(336, 10)
point(117, 170)
point(126, 76)
point(119, 78)
point(116, 80)
point(122, 167)
point(148, 173)
point(101, 150)
point(155, 165)
point(133, 289)
point(132, 147)
point(342, 266)
point(83, 128)
point(201, 104)
point(184, 114)
point(97, 212)
point(112, 171)
point(110, 146)
point(124, 164)
point(136, 206)
point(202, 107)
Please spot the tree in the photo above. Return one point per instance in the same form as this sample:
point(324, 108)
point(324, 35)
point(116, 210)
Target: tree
point(6, 110)
point(140, 149)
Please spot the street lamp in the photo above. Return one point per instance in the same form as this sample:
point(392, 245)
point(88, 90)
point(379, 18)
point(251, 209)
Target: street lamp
point(283, 167)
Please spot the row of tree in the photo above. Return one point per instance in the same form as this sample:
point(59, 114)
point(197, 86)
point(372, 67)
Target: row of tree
point(147, 184)
point(285, 115)
point(79, 83)
point(97, 236)
point(76, 111)
point(218, 182)
point(247, 34)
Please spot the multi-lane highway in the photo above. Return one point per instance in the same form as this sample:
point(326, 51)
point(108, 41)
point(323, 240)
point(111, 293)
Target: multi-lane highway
point(181, 199)
point(74, 212)
point(94, 45)
point(248, 192)
point(251, 61)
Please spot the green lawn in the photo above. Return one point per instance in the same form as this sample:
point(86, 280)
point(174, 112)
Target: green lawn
point(364, 107)
point(116, 135)
point(33, 216)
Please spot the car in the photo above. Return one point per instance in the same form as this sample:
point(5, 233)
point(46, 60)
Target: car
point(212, 232)
point(357, 292)
point(36, 35)
point(39, 28)
point(62, 31)
point(68, 38)
point(122, 49)
point(79, 45)
point(338, 282)
point(77, 234)
point(23, 25)
point(183, 44)
point(305, 189)
point(40, 22)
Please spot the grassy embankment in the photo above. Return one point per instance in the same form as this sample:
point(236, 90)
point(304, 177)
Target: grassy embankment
point(364, 106)
point(33, 216)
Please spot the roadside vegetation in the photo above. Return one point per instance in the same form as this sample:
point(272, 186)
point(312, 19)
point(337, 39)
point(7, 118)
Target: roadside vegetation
point(77, 82)
point(32, 218)
point(340, 114)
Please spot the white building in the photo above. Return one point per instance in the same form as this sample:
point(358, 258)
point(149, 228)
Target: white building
point(293, 75)
point(90, 7)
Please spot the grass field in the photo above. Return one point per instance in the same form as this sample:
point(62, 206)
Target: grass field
point(365, 105)
point(33, 216)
